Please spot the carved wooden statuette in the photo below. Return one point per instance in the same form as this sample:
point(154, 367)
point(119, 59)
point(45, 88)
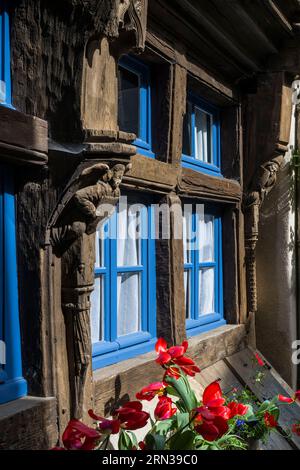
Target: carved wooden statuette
point(264, 180)
point(71, 234)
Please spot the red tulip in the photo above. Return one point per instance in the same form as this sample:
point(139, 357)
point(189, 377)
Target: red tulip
point(296, 429)
point(164, 408)
point(284, 399)
point(107, 426)
point(149, 392)
point(212, 430)
point(165, 354)
point(175, 356)
point(214, 401)
point(131, 415)
point(297, 395)
point(237, 409)
point(260, 361)
point(187, 365)
point(78, 436)
point(269, 420)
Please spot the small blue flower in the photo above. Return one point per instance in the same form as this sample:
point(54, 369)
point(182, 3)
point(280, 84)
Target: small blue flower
point(240, 423)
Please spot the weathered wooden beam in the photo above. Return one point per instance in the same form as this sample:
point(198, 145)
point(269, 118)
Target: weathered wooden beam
point(179, 93)
point(23, 138)
point(169, 275)
point(194, 183)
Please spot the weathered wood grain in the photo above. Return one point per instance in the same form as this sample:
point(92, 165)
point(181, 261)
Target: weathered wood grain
point(198, 184)
point(242, 365)
point(28, 423)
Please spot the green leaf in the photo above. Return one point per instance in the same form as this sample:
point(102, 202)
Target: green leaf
point(125, 441)
point(155, 441)
point(264, 406)
point(162, 427)
point(182, 387)
point(183, 420)
point(182, 440)
point(170, 391)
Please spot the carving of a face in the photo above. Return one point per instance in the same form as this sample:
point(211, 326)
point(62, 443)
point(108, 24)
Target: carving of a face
point(273, 167)
point(117, 175)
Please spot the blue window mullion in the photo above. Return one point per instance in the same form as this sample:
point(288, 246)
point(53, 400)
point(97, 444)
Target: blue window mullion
point(107, 281)
point(113, 278)
point(14, 385)
point(195, 270)
point(5, 73)
point(1, 264)
point(151, 273)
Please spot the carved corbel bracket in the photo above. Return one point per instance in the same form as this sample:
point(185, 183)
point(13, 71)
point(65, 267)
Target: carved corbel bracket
point(132, 17)
point(263, 182)
point(89, 198)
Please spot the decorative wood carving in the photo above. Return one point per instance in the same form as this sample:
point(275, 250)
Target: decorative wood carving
point(71, 233)
point(263, 182)
point(132, 15)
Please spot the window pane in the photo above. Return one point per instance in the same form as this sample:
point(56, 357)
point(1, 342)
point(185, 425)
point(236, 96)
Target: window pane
point(97, 310)
point(129, 240)
point(129, 301)
point(99, 243)
point(187, 234)
point(188, 293)
point(203, 136)
point(206, 238)
point(186, 134)
point(129, 101)
point(206, 291)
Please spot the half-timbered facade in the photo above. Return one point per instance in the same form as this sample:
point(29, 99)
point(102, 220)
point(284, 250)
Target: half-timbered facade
point(168, 106)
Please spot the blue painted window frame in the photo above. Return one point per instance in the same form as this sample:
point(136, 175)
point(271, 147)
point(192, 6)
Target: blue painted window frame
point(190, 161)
point(196, 325)
point(5, 72)
point(114, 349)
point(12, 384)
point(143, 142)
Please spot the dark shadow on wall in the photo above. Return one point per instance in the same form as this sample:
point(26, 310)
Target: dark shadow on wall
point(276, 319)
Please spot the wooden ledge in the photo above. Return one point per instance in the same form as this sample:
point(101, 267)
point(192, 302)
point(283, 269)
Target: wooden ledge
point(124, 379)
point(28, 423)
point(23, 138)
point(196, 184)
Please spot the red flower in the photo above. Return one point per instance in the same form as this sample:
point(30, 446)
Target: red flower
point(213, 429)
point(269, 420)
point(296, 429)
point(214, 401)
point(164, 408)
point(175, 356)
point(172, 372)
point(108, 426)
point(165, 354)
point(260, 361)
point(284, 399)
point(297, 395)
point(78, 436)
point(142, 445)
point(149, 392)
point(237, 409)
point(187, 365)
point(131, 415)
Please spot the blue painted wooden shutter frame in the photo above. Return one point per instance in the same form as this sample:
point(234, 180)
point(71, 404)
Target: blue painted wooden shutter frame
point(144, 141)
point(190, 161)
point(114, 349)
point(14, 386)
point(5, 73)
point(196, 325)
